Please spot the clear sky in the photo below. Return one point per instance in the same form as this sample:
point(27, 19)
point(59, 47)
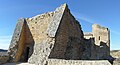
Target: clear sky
point(87, 12)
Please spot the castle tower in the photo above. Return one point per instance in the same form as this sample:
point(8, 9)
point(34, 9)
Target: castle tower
point(102, 41)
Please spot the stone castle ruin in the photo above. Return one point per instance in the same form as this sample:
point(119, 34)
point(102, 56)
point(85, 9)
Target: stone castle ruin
point(99, 41)
point(57, 37)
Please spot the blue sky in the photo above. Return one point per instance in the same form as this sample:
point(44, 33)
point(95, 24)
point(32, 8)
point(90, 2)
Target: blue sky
point(87, 12)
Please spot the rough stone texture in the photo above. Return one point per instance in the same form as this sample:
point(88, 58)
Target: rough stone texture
point(57, 35)
point(102, 39)
point(3, 57)
point(115, 53)
point(68, 43)
point(88, 35)
point(44, 36)
point(101, 34)
point(41, 52)
point(100, 44)
point(77, 62)
point(56, 19)
point(89, 52)
point(116, 61)
point(17, 41)
point(60, 30)
point(37, 34)
point(42, 43)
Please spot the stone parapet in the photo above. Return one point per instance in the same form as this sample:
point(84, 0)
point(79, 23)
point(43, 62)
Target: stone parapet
point(77, 62)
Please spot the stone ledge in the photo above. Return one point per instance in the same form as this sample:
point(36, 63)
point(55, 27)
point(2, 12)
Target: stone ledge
point(77, 62)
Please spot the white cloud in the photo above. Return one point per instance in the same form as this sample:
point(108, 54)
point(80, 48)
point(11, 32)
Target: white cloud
point(5, 42)
point(91, 21)
point(84, 17)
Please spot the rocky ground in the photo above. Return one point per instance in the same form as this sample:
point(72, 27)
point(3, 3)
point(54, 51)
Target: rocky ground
point(115, 53)
point(3, 56)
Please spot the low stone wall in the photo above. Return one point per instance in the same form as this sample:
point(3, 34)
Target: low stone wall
point(77, 62)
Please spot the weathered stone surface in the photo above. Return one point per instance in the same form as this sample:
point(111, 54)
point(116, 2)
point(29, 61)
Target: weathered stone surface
point(58, 35)
point(100, 45)
point(56, 19)
point(88, 35)
point(41, 42)
point(16, 40)
point(101, 34)
point(116, 61)
point(69, 42)
point(77, 62)
point(17, 32)
point(102, 40)
point(115, 53)
point(3, 57)
point(55, 29)
point(41, 52)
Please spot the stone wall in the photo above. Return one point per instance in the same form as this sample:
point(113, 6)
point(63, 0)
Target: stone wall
point(100, 45)
point(43, 29)
point(101, 34)
point(77, 62)
point(21, 45)
point(102, 41)
point(89, 52)
point(37, 38)
point(88, 35)
point(57, 35)
point(17, 43)
point(69, 42)
point(38, 26)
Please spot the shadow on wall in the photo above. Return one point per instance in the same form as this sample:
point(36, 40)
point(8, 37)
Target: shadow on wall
point(104, 46)
point(95, 52)
point(89, 51)
point(66, 46)
point(103, 51)
point(28, 45)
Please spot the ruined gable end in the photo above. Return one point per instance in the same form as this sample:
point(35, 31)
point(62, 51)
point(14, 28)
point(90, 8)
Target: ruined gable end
point(17, 42)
